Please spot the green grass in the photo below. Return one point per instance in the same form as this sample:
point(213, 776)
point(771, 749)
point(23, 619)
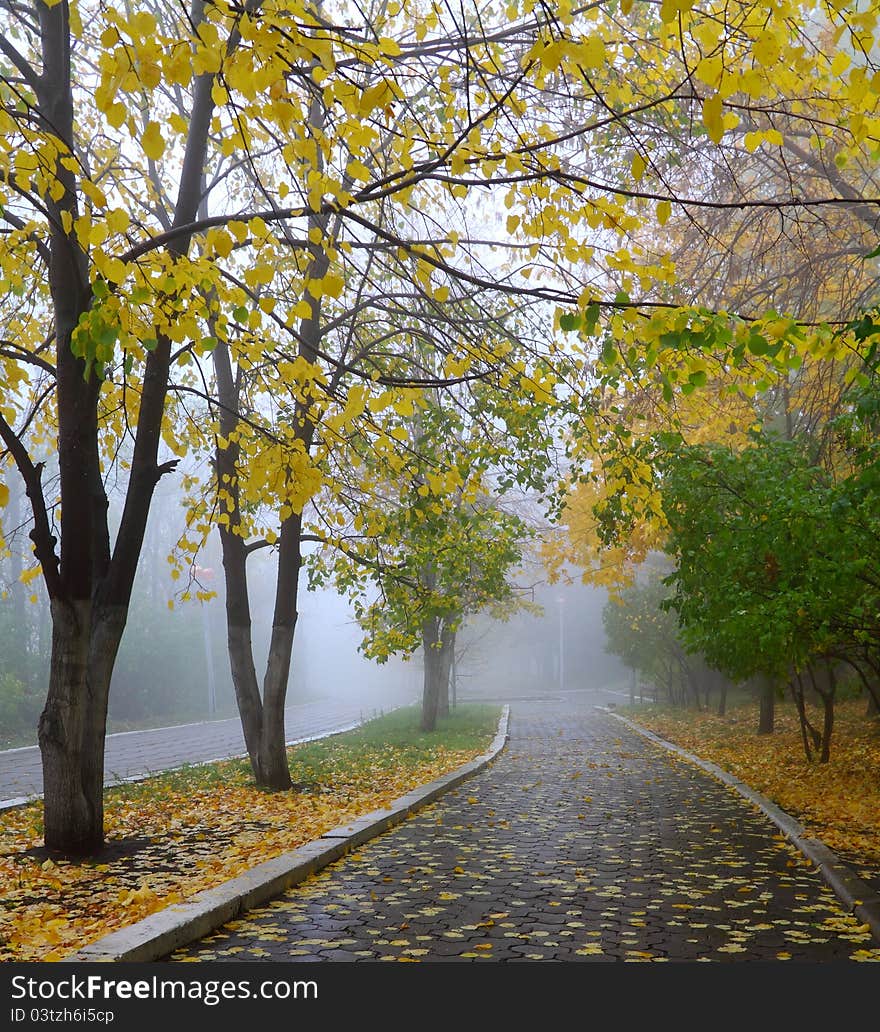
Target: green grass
point(392, 740)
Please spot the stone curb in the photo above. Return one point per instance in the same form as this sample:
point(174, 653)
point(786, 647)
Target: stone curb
point(861, 900)
point(180, 924)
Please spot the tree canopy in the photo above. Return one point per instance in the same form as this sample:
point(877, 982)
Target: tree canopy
point(223, 225)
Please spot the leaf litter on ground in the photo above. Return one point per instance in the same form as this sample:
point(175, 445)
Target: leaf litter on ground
point(174, 835)
point(838, 801)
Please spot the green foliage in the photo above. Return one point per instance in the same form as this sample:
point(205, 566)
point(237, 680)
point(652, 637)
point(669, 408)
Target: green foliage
point(777, 560)
point(639, 630)
point(435, 541)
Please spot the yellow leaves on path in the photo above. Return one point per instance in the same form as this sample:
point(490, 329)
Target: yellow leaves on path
point(165, 844)
point(838, 802)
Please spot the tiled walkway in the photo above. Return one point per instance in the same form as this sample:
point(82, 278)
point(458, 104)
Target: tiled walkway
point(581, 842)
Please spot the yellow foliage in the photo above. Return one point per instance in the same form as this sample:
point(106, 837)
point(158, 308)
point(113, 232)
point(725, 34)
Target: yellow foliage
point(183, 842)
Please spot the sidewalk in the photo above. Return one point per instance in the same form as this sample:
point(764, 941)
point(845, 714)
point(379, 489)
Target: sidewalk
point(583, 841)
point(132, 754)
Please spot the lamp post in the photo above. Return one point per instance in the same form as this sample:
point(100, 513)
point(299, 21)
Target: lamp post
point(561, 602)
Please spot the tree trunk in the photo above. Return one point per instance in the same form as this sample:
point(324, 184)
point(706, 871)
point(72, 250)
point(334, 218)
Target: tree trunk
point(766, 713)
point(826, 693)
point(433, 673)
point(447, 650)
point(797, 693)
point(722, 695)
point(274, 771)
point(72, 725)
point(240, 645)
point(827, 727)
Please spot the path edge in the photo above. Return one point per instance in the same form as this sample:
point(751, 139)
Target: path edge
point(159, 934)
point(855, 893)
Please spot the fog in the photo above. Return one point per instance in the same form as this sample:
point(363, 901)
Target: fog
point(535, 656)
point(173, 665)
point(530, 655)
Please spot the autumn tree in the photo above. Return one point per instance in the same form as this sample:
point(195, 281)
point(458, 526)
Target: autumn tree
point(178, 179)
point(646, 636)
point(438, 537)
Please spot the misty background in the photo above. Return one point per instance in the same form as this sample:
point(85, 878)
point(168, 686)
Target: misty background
point(173, 665)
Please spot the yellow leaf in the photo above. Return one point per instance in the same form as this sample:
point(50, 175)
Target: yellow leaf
point(712, 118)
point(26, 576)
point(116, 114)
point(117, 220)
point(840, 63)
point(766, 49)
point(152, 141)
point(664, 210)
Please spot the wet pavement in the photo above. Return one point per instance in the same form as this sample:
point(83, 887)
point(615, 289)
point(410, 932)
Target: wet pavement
point(582, 841)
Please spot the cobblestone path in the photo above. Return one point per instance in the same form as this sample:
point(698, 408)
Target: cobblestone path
point(582, 841)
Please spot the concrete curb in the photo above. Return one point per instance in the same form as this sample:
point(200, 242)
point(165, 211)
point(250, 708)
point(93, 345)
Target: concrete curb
point(855, 894)
point(165, 931)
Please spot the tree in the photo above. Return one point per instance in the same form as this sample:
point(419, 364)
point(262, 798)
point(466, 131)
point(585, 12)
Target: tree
point(121, 124)
point(775, 574)
point(437, 542)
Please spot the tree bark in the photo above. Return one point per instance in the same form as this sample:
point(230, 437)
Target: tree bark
point(433, 673)
point(766, 714)
point(807, 731)
point(447, 650)
point(826, 693)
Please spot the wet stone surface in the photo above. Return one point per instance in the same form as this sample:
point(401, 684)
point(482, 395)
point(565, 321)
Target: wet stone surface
point(581, 842)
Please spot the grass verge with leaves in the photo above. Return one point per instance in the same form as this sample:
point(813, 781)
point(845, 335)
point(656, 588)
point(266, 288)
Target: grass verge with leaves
point(178, 833)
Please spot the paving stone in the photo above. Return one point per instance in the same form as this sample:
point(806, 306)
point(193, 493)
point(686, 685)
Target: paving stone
point(586, 842)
